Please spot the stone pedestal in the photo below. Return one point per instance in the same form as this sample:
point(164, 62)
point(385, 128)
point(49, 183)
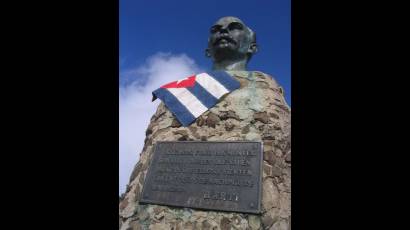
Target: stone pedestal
point(257, 112)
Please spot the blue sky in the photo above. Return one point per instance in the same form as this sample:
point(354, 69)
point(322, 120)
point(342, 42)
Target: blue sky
point(163, 41)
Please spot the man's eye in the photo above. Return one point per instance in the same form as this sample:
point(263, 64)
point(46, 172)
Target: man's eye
point(235, 26)
point(214, 29)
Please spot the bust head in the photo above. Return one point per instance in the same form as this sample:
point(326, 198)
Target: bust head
point(231, 44)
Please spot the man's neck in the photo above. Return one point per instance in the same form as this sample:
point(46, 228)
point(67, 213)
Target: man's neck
point(230, 65)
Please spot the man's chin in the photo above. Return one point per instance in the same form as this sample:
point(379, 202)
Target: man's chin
point(226, 53)
point(225, 49)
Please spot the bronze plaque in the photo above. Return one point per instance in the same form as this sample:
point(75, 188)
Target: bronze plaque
point(225, 176)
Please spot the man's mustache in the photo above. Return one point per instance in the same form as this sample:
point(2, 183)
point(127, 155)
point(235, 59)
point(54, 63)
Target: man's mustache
point(227, 38)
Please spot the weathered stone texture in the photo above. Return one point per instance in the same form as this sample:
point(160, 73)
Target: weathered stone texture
point(256, 111)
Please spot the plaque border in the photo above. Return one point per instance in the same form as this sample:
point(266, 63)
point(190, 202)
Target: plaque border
point(143, 200)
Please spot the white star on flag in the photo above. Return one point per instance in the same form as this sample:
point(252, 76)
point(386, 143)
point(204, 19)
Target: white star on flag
point(181, 80)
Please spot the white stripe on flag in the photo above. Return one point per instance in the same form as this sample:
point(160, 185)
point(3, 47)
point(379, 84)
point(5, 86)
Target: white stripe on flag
point(211, 85)
point(189, 101)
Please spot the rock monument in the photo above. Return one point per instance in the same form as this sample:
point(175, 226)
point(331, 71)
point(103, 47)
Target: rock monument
point(257, 111)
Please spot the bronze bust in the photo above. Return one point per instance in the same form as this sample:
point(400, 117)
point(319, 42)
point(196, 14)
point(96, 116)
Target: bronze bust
point(231, 44)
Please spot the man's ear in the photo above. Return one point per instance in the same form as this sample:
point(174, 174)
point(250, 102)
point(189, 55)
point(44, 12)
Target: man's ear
point(207, 53)
point(253, 48)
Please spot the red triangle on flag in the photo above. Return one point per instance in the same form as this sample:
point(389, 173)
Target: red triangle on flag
point(183, 83)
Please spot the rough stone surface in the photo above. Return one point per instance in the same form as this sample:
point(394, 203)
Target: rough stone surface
point(256, 111)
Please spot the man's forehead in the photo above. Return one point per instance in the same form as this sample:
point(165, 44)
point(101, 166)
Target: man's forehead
point(227, 20)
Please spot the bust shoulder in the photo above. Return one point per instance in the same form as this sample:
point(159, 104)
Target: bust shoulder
point(257, 76)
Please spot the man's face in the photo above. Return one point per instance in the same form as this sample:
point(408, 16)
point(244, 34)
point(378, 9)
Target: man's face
point(229, 36)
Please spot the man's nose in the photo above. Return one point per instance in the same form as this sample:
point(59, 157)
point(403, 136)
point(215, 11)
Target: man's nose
point(224, 31)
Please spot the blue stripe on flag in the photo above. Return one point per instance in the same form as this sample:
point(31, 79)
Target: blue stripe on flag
point(229, 82)
point(180, 111)
point(203, 95)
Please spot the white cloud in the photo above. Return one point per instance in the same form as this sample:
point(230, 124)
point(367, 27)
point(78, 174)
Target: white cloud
point(136, 108)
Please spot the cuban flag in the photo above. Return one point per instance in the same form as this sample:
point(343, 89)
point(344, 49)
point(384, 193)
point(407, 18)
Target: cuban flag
point(190, 97)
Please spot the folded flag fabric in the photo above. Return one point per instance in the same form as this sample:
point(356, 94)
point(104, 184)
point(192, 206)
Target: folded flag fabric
point(190, 97)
